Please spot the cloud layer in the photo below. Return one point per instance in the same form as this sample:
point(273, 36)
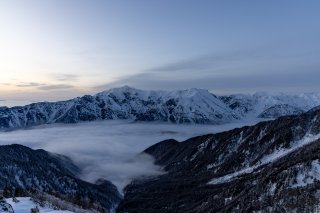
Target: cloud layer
point(45, 86)
point(107, 149)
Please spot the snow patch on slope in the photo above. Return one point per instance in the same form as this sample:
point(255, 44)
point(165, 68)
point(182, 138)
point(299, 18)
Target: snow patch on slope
point(294, 146)
point(26, 204)
point(307, 176)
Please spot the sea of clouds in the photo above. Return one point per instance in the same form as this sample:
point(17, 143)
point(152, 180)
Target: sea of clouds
point(108, 149)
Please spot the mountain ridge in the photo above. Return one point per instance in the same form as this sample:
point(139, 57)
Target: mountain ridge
point(182, 106)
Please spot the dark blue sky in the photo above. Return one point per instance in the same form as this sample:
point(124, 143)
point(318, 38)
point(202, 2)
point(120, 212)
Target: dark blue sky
point(58, 48)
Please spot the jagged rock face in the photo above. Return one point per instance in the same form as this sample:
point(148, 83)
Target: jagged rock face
point(28, 169)
point(272, 167)
point(185, 106)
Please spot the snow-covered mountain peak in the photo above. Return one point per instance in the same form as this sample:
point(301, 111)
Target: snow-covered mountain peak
point(145, 94)
point(180, 106)
point(119, 90)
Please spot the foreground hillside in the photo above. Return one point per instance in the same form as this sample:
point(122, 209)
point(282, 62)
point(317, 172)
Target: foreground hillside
point(40, 174)
point(270, 167)
point(185, 106)
point(25, 204)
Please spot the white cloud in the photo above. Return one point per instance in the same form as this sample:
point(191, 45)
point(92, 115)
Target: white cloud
point(107, 149)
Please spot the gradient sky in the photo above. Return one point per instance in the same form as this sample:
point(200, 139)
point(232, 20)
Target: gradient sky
point(58, 49)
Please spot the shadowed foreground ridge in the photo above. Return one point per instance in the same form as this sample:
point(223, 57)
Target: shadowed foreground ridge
point(271, 167)
point(29, 170)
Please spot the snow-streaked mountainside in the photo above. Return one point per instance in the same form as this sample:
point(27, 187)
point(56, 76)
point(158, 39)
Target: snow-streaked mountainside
point(273, 166)
point(184, 106)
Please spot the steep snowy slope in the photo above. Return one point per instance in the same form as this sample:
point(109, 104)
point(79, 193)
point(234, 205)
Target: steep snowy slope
point(185, 106)
point(273, 166)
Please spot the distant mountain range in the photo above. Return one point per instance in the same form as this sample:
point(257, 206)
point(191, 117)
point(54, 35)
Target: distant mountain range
point(273, 166)
point(184, 106)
